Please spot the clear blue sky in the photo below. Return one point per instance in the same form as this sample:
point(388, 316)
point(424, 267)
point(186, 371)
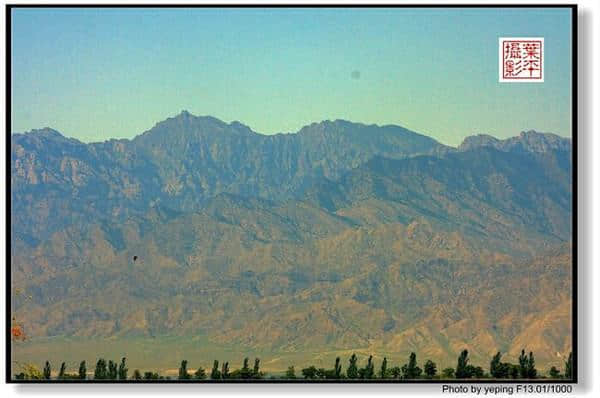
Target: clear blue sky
point(95, 74)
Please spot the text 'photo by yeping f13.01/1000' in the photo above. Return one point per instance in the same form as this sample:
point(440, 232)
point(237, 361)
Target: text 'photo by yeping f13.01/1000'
point(291, 194)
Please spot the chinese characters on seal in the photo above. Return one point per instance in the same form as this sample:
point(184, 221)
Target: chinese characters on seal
point(521, 59)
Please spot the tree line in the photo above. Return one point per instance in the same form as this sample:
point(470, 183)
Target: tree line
point(524, 369)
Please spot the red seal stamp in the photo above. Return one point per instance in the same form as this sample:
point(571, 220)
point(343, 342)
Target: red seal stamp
point(521, 59)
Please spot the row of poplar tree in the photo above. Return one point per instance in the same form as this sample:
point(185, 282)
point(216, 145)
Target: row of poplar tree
point(525, 369)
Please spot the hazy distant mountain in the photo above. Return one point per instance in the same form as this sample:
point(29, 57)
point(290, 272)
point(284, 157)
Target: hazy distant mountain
point(340, 236)
point(180, 163)
point(527, 141)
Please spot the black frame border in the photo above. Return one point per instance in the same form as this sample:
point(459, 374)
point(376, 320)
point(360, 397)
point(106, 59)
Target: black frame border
point(574, 141)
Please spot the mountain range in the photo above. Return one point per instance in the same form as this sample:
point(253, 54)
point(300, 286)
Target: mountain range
point(342, 236)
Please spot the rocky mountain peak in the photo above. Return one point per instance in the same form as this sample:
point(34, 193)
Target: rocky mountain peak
point(527, 141)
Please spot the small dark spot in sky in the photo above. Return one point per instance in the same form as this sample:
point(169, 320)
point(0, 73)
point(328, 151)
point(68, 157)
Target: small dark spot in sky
point(355, 74)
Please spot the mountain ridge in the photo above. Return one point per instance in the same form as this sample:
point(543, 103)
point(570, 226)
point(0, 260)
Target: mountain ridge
point(187, 115)
point(529, 141)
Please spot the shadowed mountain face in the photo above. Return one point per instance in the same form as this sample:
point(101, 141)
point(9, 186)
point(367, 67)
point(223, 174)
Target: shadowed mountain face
point(180, 163)
point(341, 236)
point(503, 199)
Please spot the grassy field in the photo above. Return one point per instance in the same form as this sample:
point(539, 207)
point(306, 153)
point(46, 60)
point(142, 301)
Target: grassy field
point(164, 354)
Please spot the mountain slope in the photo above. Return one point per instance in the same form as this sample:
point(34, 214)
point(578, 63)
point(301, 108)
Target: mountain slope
point(180, 163)
point(253, 281)
point(505, 199)
point(342, 236)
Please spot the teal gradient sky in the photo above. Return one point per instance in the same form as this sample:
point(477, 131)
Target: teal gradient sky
point(95, 74)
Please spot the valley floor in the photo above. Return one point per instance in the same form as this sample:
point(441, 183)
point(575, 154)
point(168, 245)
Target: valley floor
point(163, 355)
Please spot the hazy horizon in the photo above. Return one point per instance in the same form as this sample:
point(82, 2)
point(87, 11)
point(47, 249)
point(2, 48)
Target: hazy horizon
point(96, 74)
point(286, 132)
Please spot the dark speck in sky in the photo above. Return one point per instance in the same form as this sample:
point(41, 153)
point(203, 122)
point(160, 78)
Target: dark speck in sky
point(355, 74)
